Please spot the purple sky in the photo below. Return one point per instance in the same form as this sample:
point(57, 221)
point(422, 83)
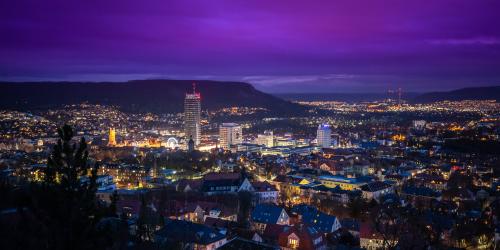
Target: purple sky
point(279, 46)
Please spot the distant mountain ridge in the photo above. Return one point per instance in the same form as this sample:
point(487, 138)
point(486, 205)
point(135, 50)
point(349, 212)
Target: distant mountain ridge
point(343, 97)
point(475, 93)
point(157, 96)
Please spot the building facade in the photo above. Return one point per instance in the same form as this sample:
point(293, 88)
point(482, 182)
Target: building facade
point(266, 139)
point(230, 134)
point(192, 117)
point(324, 136)
point(112, 137)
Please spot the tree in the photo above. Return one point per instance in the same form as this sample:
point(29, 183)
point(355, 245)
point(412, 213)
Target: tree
point(244, 205)
point(146, 223)
point(112, 206)
point(348, 239)
point(61, 212)
point(460, 180)
point(401, 226)
point(356, 207)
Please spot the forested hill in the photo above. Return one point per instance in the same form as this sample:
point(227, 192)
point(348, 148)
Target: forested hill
point(139, 95)
point(477, 93)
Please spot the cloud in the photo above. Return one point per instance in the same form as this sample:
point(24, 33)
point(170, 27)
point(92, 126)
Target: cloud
point(276, 80)
point(466, 41)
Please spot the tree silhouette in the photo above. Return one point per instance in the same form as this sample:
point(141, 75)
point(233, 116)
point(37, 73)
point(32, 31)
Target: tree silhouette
point(147, 222)
point(244, 206)
point(356, 206)
point(61, 212)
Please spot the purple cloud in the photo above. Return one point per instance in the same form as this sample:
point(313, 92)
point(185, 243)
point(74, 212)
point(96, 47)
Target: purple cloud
point(305, 45)
point(467, 41)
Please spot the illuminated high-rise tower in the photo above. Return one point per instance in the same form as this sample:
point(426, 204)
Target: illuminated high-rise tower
point(192, 111)
point(112, 137)
point(324, 136)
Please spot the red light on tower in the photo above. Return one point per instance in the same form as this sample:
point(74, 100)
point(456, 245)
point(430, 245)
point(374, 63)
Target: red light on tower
point(194, 91)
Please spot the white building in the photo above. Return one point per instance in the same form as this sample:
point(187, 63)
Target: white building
point(419, 124)
point(375, 190)
point(324, 136)
point(265, 192)
point(266, 139)
point(230, 134)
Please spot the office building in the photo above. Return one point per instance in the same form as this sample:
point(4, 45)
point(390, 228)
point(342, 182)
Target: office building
point(324, 136)
point(266, 139)
point(230, 134)
point(192, 111)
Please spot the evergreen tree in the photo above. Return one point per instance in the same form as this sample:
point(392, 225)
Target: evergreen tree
point(112, 206)
point(356, 207)
point(61, 212)
point(244, 206)
point(146, 223)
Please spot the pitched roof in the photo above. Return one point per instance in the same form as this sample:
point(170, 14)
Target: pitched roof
point(207, 206)
point(219, 223)
point(244, 244)
point(273, 231)
point(421, 191)
point(266, 213)
point(188, 232)
point(350, 224)
point(311, 216)
point(263, 186)
point(281, 178)
point(221, 180)
point(193, 184)
point(306, 235)
point(221, 176)
point(375, 186)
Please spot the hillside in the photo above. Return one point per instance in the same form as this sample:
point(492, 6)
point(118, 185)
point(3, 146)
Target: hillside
point(477, 93)
point(343, 97)
point(158, 96)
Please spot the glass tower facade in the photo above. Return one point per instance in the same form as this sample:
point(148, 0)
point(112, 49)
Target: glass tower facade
point(192, 111)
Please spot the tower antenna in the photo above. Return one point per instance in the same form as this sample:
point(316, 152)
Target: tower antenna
point(399, 96)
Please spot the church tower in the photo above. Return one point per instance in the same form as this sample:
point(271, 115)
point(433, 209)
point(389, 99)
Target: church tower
point(112, 137)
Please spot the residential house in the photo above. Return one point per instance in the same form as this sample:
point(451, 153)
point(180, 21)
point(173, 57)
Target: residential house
point(375, 190)
point(217, 210)
point(188, 235)
point(188, 211)
point(222, 183)
point(302, 237)
point(351, 225)
point(370, 239)
point(335, 168)
point(265, 192)
point(223, 226)
point(420, 196)
point(185, 185)
point(240, 243)
point(264, 214)
point(311, 216)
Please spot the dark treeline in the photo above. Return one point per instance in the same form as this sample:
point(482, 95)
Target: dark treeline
point(61, 211)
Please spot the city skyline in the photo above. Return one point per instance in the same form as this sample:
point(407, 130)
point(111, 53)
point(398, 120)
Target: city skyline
point(339, 46)
point(185, 124)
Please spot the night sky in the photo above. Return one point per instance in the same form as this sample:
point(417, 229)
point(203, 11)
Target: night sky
point(279, 46)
